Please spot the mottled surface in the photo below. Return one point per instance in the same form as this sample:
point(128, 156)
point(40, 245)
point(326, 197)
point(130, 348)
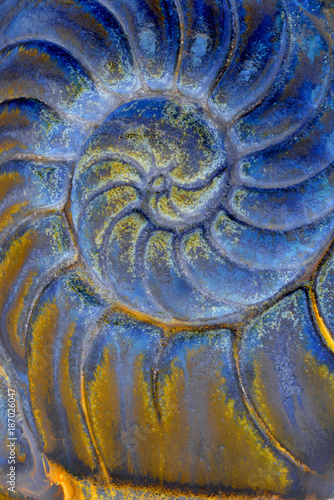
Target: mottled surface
point(166, 261)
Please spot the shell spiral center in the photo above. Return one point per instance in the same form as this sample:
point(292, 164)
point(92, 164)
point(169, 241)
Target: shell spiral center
point(155, 168)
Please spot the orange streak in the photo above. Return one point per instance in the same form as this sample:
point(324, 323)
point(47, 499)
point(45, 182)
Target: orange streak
point(325, 333)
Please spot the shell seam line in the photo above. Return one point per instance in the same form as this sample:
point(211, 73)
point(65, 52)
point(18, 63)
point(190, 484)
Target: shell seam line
point(320, 323)
point(235, 37)
point(86, 67)
point(182, 41)
point(262, 427)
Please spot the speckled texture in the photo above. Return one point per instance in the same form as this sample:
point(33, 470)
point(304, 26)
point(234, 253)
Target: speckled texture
point(166, 261)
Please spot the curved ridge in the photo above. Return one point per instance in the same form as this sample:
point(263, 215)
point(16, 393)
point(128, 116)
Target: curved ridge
point(260, 47)
point(268, 248)
point(155, 35)
point(61, 81)
point(262, 426)
point(307, 77)
point(104, 49)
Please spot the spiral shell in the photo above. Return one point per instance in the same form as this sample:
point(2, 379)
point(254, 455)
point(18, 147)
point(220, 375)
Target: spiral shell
point(198, 204)
point(166, 219)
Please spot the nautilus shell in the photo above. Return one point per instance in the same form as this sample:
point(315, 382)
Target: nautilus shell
point(166, 263)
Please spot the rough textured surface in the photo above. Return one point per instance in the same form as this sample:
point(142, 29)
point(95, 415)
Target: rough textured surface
point(166, 261)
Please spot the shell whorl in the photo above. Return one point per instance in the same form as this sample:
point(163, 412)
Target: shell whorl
point(149, 176)
point(194, 195)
